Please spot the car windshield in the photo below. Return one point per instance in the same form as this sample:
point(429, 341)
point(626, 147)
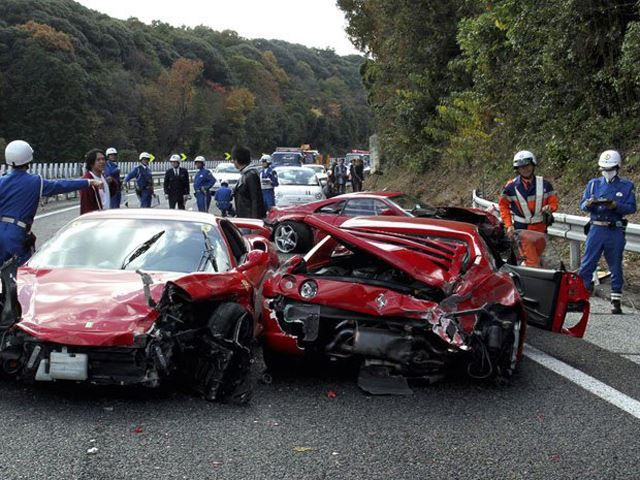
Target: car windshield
point(297, 176)
point(317, 168)
point(132, 244)
point(409, 203)
point(226, 168)
point(286, 158)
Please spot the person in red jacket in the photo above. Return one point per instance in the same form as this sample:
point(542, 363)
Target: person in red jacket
point(525, 204)
point(95, 198)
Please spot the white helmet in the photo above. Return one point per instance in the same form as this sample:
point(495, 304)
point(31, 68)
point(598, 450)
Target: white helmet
point(524, 157)
point(18, 153)
point(609, 159)
point(111, 151)
point(265, 158)
point(144, 155)
point(175, 158)
point(200, 158)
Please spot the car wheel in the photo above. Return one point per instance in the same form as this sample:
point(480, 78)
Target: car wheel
point(231, 329)
point(292, 237)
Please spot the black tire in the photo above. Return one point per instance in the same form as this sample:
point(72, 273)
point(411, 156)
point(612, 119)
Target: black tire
point(231, 327)
point(292, 237)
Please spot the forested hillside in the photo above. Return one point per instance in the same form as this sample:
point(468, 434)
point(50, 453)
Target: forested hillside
point(466, 83)
point(72, 79)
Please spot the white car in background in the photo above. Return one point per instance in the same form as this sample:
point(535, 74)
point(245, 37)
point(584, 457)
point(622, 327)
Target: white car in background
point(296, 186)
point(321, 172)
point(226, 172)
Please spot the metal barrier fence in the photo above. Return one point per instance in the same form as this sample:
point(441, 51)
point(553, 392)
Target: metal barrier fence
point(571, 228)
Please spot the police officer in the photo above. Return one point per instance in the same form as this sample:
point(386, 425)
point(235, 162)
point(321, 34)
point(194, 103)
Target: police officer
point(112, 174)
point(525, 202)
point(223, 198)
point(340, 174)
point(144, 180)
point(608, 199)
point(268, 181)
point(176, 184)
point(20, 193)
point(203, 182)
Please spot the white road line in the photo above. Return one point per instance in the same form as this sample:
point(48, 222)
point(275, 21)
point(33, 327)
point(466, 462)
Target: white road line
point(76, 206)
point(590, 384)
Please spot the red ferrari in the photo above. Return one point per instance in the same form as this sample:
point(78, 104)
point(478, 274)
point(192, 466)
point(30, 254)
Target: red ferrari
point(411, 298)
point(292, 234)
point(139, 297)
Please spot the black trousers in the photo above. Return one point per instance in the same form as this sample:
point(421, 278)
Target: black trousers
point(178, 199)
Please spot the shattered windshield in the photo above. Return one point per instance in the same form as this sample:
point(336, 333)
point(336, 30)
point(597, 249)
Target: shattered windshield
point(132, 244)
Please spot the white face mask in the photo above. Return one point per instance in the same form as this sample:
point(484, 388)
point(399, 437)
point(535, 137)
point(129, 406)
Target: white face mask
point(609, 175)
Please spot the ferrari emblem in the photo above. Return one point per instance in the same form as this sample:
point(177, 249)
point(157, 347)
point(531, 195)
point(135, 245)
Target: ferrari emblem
point(381, 301)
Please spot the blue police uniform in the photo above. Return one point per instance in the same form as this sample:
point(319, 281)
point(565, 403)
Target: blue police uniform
point(144, 184)
point(113, 170)
point(203, 182)
point(20, 193)
point(268, 181)
point(223, 200)
point(606, 232)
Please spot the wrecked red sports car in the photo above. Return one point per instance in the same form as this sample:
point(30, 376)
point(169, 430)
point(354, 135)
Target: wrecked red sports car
point(411, 298)
point(292, 234)
point(138, 297)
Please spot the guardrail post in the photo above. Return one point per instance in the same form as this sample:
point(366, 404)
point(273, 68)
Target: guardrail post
point(574, 254)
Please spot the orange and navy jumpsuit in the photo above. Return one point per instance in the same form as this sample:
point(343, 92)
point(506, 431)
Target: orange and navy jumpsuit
point(521, 205)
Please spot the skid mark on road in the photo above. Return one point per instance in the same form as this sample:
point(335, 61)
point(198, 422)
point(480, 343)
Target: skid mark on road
point(592, 385)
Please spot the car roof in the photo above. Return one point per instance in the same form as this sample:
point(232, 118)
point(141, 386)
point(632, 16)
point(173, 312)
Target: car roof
point(367, 194)
point(152, 214)
point(292, 167)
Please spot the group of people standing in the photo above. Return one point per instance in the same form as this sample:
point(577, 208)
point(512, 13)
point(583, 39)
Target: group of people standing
point(528, 201)
point(339, 175)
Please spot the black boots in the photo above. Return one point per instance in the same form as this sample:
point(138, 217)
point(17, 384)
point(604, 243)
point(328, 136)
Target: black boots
point(616, 309)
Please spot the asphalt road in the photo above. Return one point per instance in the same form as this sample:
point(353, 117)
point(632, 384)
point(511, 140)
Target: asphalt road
point(542, 425)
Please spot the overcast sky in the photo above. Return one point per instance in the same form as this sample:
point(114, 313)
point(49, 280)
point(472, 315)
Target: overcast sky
point(314, 23)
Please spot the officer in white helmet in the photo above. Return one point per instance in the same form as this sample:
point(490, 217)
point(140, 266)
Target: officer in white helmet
point(526, 206)
point(144, 180)
point(20, 193)
point(176, 183)
point(203, 182)
point(268, 182)
point(112, 175)
point(607, 199)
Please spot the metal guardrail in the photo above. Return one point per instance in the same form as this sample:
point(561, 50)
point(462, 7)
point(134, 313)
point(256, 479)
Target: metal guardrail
point(569, 227)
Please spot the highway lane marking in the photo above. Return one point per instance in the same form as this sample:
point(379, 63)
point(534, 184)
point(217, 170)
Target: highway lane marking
point(68, 209)
point(590, 384)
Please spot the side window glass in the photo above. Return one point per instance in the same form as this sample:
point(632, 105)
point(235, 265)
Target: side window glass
point(358, 207)
point(379, 206)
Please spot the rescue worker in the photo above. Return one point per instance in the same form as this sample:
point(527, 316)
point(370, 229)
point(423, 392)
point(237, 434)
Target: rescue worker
point(608, 199)
point(223, 200)
point(176, 183)
point(526, 205)
point(247, 193)
point(112, 174)
point(144, 180)
point(92, 199)
point(340, 174)
point(20, 193)
point(268, 182)
point(203, 182)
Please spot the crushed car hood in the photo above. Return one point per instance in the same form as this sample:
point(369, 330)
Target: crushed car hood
point(87, 307)
point(432, 262)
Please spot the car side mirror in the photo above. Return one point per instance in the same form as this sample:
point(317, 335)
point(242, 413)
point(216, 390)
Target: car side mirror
point(253, 259)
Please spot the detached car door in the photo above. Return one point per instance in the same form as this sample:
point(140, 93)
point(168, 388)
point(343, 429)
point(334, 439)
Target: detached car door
point(548, 295)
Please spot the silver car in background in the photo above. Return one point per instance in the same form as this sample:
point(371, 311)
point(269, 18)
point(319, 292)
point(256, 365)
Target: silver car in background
point(296, 186)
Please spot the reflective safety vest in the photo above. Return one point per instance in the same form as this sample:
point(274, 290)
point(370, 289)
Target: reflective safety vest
point(536, 216)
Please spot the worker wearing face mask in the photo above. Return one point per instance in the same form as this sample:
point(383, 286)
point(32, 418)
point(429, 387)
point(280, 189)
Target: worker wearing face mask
point(608, 199)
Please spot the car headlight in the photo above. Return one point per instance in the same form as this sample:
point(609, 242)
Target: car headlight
point(309, 289)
